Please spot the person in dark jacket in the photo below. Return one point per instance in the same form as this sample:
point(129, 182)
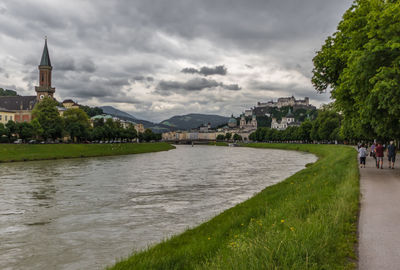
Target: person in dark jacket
point(391, 153)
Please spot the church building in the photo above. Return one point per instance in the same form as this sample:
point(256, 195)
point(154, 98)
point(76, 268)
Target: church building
point(22, 106)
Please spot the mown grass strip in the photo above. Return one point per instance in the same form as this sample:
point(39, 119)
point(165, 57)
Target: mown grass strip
point(218, 143)
point(308, 221)
point(26, 152)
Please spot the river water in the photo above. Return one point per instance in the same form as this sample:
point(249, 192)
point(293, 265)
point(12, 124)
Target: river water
point(87, 213)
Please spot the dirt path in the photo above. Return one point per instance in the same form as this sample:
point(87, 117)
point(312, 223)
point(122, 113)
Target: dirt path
point(379, 227)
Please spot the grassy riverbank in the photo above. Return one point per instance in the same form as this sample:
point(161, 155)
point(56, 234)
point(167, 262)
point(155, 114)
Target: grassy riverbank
point(308, 221)
point(218, 143)
point(25, 152)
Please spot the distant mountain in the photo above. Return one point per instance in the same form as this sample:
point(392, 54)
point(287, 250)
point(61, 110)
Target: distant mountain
point(158, 128)
point(115, 112)
point(189, 121)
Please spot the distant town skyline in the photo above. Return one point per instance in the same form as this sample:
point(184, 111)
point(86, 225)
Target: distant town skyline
point(163, 58)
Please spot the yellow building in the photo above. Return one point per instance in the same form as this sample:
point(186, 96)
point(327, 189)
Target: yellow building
point(6, 115)
point(139, 128)
point(70, 104)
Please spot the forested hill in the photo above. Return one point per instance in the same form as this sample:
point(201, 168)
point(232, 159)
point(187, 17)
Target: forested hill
point(6, 92)
point(158, 128)
point(189, 121)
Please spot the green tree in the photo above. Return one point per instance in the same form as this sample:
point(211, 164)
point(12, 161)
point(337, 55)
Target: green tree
point(11, 129)
point(228, 136)
point(326, 126)
point(25, 131)
point(220, 137)
point(253, 136)
point(48, 117)
point(140, 136)
point(3, 133)
point(37, 128)
point(148, 135)
point(304, 131)
point(237, 137)
point(98, 122)
point(91, 111)
point(109, 129)
point(263, 121)
point(3, 130)
point(360, 64)
point(76, 123)
point(97, 133)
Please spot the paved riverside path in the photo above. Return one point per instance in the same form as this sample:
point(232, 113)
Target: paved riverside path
point(379, 225)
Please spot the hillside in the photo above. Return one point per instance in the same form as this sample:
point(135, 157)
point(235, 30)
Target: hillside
point(6, 92)
point(157, 128)
point(189, 121)
point(113, 111)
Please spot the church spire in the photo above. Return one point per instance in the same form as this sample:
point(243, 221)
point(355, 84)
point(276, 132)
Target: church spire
point(45, 61)
point(44, 89)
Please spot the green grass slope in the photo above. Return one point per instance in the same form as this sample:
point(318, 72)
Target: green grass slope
point(25, 152)
point(308, 221)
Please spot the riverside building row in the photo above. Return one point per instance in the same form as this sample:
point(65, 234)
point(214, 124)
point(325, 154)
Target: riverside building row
point(206, 133)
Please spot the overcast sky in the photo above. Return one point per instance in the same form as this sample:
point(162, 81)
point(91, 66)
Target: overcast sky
point(157, 58)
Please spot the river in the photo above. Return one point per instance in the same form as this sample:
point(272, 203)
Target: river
point(87, 213)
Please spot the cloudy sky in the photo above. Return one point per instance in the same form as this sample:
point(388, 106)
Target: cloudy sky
point(157, 58)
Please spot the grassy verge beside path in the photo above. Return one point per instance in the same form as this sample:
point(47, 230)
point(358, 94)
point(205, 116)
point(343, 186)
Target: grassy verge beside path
point(308, 221)
point(25, 152)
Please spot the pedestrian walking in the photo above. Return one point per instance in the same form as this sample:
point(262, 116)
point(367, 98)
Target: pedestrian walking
point(362, 153)
point(372, 154)
point(391, 153)
point(379, 155)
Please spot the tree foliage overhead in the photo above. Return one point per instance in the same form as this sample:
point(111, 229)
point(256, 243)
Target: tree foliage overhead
point(360, 65)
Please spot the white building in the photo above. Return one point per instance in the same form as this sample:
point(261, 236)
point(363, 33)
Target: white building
point(285, 122)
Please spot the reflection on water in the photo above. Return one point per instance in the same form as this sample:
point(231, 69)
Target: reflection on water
point(85, 213)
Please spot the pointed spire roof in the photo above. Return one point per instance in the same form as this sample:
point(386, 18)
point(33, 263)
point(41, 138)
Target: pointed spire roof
point(45, 61)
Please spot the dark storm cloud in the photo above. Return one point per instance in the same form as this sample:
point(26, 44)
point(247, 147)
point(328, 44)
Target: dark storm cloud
point(196, 84)
point(206, 71)
point(83, 86)
point(88, 66)
point(190, 70)
point(141, 78)
point(218, 70)
point(66, 65)
point(232, 87)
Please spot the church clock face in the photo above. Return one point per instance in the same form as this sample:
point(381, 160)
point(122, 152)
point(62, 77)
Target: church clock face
point(41, 96)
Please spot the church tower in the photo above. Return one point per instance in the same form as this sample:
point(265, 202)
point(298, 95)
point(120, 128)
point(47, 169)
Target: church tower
point(44, 89)
point(242, 121)
point(254, 121)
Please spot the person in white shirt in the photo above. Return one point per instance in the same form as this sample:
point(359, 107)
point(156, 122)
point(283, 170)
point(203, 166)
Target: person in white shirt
point(362, 153)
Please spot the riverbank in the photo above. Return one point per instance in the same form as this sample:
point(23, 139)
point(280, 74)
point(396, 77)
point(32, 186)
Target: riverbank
point(308, 221)
point(218, 143)
point(29, 152)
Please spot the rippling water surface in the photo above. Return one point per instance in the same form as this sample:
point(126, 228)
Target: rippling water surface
point(86, 213)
